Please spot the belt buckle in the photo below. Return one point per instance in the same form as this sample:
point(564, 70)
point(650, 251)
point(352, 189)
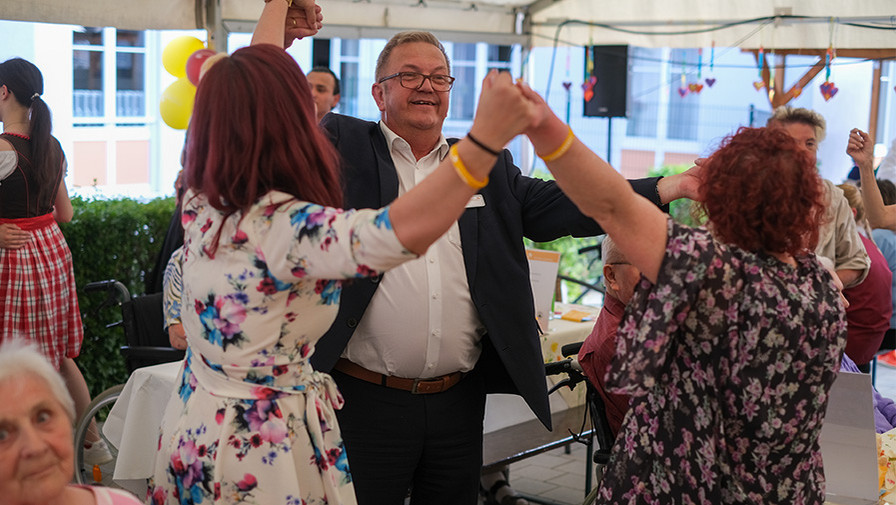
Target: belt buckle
point(426, 382)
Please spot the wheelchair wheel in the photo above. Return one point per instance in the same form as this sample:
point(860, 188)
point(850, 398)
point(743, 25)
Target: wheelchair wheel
point(99, 471)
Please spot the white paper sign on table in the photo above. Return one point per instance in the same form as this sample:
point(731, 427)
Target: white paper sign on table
point(543, 267)
point(849, 443)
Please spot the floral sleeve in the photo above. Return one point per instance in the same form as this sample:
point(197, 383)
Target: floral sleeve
point(658, 310)
point(308, 240)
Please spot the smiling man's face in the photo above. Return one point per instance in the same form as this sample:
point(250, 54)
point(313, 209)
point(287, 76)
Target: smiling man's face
point(408, 111)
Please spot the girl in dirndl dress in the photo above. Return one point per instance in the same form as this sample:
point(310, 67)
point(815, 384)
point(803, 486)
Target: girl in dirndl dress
point(38, 300)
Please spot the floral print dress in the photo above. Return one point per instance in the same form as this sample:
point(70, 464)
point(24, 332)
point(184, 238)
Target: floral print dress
point(252, 422)
point(729, 357)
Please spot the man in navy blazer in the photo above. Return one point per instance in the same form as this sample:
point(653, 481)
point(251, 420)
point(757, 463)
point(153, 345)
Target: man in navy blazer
point(414, 352)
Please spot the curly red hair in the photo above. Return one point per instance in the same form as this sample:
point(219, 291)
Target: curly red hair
point(761, 192)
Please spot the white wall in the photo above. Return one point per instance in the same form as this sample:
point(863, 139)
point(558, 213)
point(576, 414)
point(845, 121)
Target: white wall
point(722, 108)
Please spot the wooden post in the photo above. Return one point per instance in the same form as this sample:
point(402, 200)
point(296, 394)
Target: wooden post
point(875, 100)
point(780, 98)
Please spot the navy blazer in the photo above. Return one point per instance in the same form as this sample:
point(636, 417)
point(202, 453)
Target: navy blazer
point(497, 270)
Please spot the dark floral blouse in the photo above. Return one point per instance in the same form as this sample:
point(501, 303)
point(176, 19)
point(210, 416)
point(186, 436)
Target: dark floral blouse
point(729, 358)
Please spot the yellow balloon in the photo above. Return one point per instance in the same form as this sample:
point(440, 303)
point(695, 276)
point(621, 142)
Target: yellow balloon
point(175, 54)
point(176, 104)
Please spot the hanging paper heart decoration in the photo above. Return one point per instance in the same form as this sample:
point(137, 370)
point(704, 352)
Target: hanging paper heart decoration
point(682, 91)
point(828, 90)
point(695, 87)
point(588, 86)
point(758, 85)
point(567, 85)
point(710, 81)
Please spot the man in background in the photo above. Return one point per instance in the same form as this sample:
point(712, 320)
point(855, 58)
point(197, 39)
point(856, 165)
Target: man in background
point(324, 90)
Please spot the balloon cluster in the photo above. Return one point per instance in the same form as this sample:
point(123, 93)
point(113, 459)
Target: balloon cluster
point(182, 58)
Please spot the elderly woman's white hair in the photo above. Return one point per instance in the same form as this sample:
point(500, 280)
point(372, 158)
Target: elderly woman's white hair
point(18, 357)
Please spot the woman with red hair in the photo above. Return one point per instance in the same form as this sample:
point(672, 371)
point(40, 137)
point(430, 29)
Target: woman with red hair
point(266, 249)
point(735, 333)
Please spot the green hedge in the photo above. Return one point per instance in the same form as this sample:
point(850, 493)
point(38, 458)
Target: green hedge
point(111, 239)
point(586, 267)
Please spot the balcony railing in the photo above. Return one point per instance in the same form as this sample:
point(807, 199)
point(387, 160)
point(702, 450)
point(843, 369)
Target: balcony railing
point(90, 103)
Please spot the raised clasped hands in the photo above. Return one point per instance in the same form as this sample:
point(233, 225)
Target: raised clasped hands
point(545, 125)
point(303, 19)
point(860, 148)
point(13, 237)
point(503, 111)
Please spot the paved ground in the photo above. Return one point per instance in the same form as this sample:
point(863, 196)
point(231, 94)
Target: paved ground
point(553, 476)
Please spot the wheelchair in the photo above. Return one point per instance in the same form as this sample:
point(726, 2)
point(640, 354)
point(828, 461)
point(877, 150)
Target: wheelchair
point(603, 436)
point(146, 344)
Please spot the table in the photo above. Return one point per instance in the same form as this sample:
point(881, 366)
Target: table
point(133, 424)
point(503, 410)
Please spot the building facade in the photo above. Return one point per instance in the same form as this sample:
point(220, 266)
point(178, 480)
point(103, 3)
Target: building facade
point(103, 86)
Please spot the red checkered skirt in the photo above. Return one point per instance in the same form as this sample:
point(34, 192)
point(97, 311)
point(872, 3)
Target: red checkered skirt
point(38, 298)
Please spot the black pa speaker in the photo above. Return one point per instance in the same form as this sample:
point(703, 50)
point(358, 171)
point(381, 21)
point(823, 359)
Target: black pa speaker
point(610, 88)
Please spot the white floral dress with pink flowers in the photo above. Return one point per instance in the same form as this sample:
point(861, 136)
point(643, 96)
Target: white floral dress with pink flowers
point(253, 422)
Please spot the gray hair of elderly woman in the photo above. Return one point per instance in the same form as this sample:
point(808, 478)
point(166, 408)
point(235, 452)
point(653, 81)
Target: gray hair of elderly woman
point(18, 358)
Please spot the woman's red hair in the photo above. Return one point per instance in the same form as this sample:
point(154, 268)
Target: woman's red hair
point(254, 130)
point(761, 192)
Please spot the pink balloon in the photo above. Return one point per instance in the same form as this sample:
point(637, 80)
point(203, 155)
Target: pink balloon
point(194, 63)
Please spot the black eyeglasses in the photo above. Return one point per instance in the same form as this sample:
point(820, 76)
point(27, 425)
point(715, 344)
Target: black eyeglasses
point(414, 80)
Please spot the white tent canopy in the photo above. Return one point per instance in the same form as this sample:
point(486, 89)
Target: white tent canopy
point(860, 24)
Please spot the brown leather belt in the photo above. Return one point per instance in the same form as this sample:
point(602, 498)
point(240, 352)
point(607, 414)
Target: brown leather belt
point(415, 386)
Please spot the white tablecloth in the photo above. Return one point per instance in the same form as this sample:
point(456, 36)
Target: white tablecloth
point(133, 424)
point(503, 410)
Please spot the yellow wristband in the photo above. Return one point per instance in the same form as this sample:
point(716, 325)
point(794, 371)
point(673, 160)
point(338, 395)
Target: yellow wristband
point(462, 171)
point(567, 143)
point(288, 2)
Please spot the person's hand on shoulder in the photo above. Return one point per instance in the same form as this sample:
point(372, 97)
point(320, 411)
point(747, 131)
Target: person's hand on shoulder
point(13, 237)
point(683, 185)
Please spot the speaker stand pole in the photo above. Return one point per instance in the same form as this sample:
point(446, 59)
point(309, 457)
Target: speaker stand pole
point(609, 139)
point(568, 97)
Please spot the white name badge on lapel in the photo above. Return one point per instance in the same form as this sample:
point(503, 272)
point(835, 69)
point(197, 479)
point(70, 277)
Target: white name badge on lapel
point(476, 201)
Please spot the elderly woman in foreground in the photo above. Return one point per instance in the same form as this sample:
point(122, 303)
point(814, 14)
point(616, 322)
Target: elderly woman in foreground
point(36, 448)
point(734, 335)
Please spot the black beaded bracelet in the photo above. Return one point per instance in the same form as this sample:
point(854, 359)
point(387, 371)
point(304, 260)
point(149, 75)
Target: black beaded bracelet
point(483, 146)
